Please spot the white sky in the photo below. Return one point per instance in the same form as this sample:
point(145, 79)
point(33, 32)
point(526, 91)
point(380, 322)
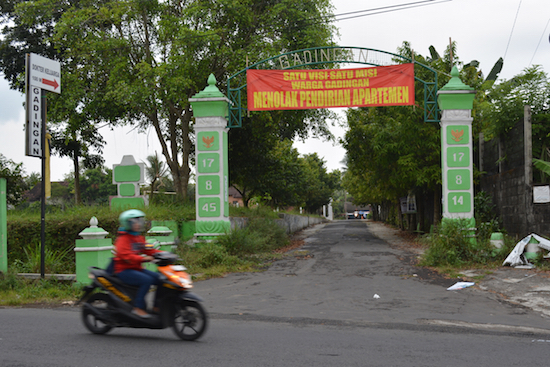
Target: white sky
point(483, 29)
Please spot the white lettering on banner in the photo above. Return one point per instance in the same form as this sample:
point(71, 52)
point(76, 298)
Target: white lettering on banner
point(35, 123)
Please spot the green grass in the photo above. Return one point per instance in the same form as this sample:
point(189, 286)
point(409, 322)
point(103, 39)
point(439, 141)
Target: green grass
point(16, 290)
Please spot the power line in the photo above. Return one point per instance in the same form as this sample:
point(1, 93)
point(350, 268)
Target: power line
point(541, 36)
point(512, 31)
point(387, 9)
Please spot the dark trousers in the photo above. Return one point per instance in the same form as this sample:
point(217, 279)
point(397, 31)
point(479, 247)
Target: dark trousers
point(144, 279)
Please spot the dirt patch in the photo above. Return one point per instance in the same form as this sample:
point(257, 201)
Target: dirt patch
point(294, 244)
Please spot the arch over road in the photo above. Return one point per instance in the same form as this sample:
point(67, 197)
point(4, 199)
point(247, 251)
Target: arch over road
point(329, 55)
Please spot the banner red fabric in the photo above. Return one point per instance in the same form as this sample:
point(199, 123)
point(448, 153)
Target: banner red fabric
point(318, 88)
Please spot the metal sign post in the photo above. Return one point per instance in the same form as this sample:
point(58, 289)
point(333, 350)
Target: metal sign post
point(42, 74)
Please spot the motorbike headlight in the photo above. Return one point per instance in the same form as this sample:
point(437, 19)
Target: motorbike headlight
point(185, 282)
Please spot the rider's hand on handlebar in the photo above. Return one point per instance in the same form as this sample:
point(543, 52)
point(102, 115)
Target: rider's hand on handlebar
point(148, 258)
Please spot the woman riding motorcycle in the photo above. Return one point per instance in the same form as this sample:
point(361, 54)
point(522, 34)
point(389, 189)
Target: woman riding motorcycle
point(130, 250)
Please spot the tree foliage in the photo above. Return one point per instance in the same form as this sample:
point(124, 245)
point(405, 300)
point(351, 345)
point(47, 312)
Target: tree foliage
point(138, 62)
point(15, 180)
point(96, 185)
point(391, 151)
point(319, 184)
point(155, 171)
point(504, 103)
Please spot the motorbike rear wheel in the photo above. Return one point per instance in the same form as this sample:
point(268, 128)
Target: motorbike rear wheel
point(92, 323)
point(190, 320)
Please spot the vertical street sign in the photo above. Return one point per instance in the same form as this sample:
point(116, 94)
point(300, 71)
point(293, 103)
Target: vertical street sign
point(42, 75)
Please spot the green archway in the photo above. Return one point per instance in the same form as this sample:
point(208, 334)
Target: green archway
point(329, 55)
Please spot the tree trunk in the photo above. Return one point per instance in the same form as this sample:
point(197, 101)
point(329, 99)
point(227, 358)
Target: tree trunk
point(186, 149)
point(180, 174)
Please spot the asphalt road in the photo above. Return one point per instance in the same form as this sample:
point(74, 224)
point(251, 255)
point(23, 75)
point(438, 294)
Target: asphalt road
point(335, 276)
point(315, 308)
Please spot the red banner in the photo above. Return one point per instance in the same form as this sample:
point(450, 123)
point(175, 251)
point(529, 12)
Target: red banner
point(318, 88)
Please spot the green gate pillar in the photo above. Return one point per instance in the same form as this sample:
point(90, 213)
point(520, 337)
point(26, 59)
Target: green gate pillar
point(210, 109)
point(93, 250)
point(456, 100)
point(3, 227)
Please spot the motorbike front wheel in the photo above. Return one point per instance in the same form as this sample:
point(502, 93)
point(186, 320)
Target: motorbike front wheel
point(190, 320)
point(92, 323)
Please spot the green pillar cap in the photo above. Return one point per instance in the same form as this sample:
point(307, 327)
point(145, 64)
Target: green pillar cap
point(210, 102)
point(211, 91)
point(161, 230)
point(455, 83)
point(455, 95)
point(93, 232)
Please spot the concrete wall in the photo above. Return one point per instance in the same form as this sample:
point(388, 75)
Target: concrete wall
point(291, 223)
point(508, 178)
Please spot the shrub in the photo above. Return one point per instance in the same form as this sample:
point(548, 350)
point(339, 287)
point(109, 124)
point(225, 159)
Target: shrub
point(451, 245)
point(260, 235)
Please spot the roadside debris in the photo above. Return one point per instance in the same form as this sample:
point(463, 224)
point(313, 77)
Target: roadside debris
point(376, 296)
point(460, 285)
point(516, 257)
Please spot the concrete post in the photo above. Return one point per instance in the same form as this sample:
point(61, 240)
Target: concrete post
point(164, 236)
point(210, 109)
point(3, 226)
point(166, 241)
point(93, 250)
point(456, 101)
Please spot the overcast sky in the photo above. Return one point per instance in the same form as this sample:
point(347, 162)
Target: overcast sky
point(484, 30)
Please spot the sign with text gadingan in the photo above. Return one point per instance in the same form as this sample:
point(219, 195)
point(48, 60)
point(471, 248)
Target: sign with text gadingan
point(321, 88)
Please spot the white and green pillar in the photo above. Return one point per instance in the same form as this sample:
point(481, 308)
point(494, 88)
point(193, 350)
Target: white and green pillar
point(210, 109)
point(455, 100)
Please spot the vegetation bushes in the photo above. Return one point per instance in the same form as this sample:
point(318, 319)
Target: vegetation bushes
point(260, 235)
point(452, 244)
point(246, 249)
point(63, 226)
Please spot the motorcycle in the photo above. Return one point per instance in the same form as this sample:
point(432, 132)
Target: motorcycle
point(111, 306)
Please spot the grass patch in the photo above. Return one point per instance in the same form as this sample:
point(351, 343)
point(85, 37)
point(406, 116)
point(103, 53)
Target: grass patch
point(242, 250)
point(16, 290)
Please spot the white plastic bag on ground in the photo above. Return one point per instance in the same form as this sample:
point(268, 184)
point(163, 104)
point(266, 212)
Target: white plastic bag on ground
point(460, 285)
point(515, 257)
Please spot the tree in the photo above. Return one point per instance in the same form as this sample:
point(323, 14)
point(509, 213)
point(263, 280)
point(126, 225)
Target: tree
point(75, 142)
point(142, 60)
point(503, 106)
point(20, 38)
point(74, 134)
point(155, 172)
point(97, 185)
point(319, 184)
point(15, 181)
point(274, 174)
point(505, 101)
point(391, 151)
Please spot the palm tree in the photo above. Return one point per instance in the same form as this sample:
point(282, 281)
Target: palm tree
point(156, 171)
